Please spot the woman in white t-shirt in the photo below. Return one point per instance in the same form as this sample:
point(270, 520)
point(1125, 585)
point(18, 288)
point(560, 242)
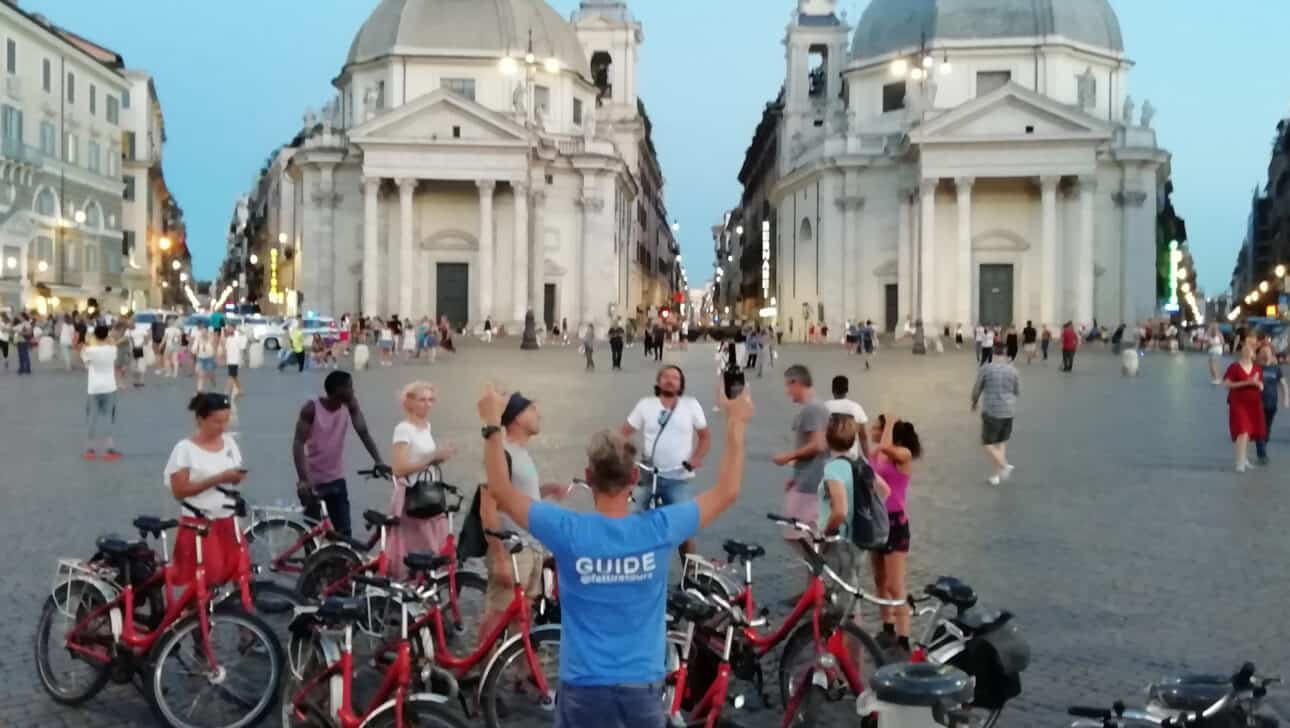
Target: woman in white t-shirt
point(415, 452)
point(198, 465)
point(172, 345)
point(66, 338)
point(235, 344)
point(1216, 346)
point(386, 343)
point(205, 348)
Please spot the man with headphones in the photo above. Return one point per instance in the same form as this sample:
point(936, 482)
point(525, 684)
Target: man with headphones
point(675, 439)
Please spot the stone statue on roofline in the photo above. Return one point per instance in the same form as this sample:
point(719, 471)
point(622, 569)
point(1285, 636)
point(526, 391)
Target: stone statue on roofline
point(1087, 89)
point(1128, 110)
point(1148, 114)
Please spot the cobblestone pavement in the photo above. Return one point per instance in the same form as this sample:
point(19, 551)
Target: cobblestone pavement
point(1125, 545)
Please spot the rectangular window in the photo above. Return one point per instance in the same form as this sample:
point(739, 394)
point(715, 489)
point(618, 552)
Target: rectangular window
point(127, 145)
point(893, 96)
point(128, 192)
point(11, 56)
point(11, 253)
point(91, 258)
point(48, 139)
point(11, 125)
point(71, 87)
point(46, 76)
point(94, 99)
point(113, 111)
point(127, 242)
point(577, 112)
point(125, 99)
point(988, 81)
point(542, 99)
point(95, 157)
point(70, 261)
point(113, 162)
point(380, 94)
point(460, 86)
point(71, 148)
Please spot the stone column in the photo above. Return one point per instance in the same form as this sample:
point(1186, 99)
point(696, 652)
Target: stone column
point(1084, 257)
point(537, 257)
point(485, 273)
point(406, 268)
point(519, 254)
point(845, 254)
point(963, 279)
point(1048, 250)
point(591, 204)
point(904, 259)
point(863, 282)
point(371, 254)
point(927, 253)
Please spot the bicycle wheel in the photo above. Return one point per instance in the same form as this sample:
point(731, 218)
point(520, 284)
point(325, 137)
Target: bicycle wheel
point(797, 671)
point(276, 604)
point(269, 539)
point(304, 660)
point(186, 693)
point(417, 713)
point(325, 567)
point(68, 677)
point(509, 694)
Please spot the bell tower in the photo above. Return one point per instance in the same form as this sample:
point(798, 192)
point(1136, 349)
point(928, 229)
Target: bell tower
point(611, 38)
point(815, 45)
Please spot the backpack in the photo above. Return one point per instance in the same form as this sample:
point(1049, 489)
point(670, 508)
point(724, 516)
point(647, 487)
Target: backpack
point(869, 523)
point(473, 543)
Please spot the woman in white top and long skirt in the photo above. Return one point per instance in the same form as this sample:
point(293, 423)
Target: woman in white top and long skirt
point(415, 453)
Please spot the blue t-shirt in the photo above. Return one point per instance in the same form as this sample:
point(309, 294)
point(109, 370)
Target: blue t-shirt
point(1271, 385)
point(613, 589)
point(838, 469)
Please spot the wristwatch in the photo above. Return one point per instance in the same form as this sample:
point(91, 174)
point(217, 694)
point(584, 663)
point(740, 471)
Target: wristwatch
point(490, 430)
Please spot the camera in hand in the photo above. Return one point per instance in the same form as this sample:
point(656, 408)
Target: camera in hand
point(733, 378)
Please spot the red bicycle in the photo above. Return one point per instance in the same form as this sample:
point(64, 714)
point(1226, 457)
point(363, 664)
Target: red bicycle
point(320, 689)
point(520, 661)
point(823, 647)
point(689, 610)
point(206, 663)
point(329, 570)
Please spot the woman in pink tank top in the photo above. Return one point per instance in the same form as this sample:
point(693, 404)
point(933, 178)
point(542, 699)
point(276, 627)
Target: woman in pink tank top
point(893, 461)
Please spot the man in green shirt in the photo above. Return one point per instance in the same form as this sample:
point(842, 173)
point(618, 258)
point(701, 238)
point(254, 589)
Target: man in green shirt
point(297, 337)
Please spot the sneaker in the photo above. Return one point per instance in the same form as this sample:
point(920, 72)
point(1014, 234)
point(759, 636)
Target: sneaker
point(1263, 460)
point(993, 480)
point(89, 455)
point(112, 455)
point(886, 640)
point(1240, 468)
point(1007, 472)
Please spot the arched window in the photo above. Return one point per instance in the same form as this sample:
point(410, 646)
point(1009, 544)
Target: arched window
point(93, 215)
point(46, 202)
point(601, 66)
point(805, 235)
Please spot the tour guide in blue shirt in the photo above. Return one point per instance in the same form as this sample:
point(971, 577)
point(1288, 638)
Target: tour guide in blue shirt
point(613, 569)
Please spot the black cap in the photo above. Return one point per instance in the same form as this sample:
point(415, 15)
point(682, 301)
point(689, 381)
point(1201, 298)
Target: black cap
point(515, 407)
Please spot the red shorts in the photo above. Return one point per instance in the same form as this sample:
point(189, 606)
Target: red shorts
point(219, 552)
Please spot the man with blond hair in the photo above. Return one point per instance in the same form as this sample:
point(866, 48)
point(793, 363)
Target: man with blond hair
point(613, 568)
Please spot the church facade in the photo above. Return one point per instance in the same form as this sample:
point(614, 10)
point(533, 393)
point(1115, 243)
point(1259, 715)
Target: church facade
point(954, 161)
point(480, 160)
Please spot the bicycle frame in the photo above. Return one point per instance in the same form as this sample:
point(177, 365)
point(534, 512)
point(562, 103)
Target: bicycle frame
point(394, 684)
point(316, 534)
point(380, 566)
point(141, 641)
point(713, 702)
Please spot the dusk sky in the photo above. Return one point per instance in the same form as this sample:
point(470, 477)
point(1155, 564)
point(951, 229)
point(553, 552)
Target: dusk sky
point(235, 76)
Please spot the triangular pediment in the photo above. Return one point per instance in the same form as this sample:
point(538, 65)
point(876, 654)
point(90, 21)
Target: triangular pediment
point(439, 116)
point(1012, 113)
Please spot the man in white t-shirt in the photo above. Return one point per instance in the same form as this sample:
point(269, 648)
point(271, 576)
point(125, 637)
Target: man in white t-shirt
point(66, 333)
point(840, 405)
point(100, 366)
point(674, 441)
point(235, 344)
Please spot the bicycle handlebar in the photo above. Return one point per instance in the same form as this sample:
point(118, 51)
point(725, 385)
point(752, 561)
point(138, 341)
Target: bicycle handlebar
point(1244, 681)
point(377, 472)
point(805, 528)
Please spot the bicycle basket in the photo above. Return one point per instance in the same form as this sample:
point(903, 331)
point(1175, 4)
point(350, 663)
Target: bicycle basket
point(711, 577)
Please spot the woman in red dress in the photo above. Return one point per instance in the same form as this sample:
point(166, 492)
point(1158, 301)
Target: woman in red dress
point(1244, 382)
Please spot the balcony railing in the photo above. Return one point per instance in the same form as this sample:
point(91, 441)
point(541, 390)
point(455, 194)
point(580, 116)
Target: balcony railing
point(15, 150)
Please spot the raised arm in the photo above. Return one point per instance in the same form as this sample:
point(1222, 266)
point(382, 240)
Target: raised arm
point(510, 500)
point(713, 502)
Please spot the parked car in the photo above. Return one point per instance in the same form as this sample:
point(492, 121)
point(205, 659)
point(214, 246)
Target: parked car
point(276, 334)
point(143, 319)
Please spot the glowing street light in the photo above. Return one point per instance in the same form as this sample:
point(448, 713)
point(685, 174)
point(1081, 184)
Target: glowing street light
point(164, 244)
point(1263, 287)
point(1280, 271)
point(42, 266)
point(175, 265)
point(255, 259)
point(282, 238)
point(11, 262)
point(79, 217)
point(183, 277)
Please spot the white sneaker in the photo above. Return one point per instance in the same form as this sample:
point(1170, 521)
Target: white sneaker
point(1240, 468)
point(993, 480)
point(1007, 472)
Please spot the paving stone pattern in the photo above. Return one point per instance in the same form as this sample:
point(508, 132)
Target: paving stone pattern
point(1125, 545)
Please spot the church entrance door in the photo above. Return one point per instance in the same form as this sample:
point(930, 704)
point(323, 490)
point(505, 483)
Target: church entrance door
point(995, 286)
point(452, 292)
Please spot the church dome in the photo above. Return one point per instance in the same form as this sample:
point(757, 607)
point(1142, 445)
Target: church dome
point(467, 28)
point(896, 25)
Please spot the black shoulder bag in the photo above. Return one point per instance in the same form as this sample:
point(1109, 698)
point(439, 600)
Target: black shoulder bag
point(472, 543)
point(426, 497)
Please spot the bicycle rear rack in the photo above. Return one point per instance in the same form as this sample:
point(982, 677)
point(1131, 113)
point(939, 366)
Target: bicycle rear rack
point(70, 570)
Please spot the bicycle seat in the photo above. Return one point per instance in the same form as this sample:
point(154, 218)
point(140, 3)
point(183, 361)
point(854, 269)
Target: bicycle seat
point(376, 518)
point(425, 562)
point(690, 606)
point(952, 591)
point(336, 609)
point(114, 545)
point(153, 526)
point(746, 551)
